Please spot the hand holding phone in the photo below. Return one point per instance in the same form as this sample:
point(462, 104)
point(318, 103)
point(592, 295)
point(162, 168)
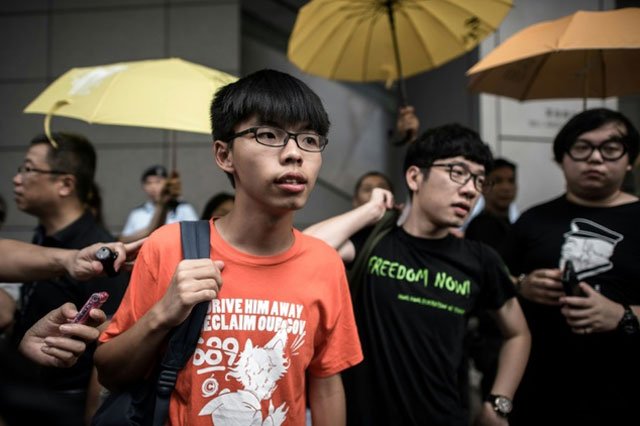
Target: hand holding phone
point(570, 280)
point(95, 301)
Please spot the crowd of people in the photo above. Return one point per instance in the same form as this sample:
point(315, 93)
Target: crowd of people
point(288, 338)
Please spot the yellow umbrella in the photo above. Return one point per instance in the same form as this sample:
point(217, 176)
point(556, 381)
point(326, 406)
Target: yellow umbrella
point(584, 55)
point(168, 94)
point(386, 40)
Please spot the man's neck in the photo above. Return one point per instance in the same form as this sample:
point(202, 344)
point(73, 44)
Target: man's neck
point(256, 232)
point(61, 217)
point(423, 228)
point(610, 200)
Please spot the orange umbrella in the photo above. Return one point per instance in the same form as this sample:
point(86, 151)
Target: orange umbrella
point(583, 55)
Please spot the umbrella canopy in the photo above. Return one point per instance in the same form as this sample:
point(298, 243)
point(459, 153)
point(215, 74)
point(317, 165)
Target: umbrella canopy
point(168, 94)
point(378, 40)
point(583, 55)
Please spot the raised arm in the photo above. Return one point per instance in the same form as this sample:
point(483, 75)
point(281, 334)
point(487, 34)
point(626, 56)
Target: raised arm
point(20, 261)
point(337, 231)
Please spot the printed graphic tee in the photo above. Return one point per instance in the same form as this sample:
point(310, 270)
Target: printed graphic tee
point(411, 315)
point(275, 319)
point(598, 372)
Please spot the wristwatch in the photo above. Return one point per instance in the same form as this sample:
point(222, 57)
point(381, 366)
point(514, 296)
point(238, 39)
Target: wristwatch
point(501, 404)
point(629, 322)
point(106, 256)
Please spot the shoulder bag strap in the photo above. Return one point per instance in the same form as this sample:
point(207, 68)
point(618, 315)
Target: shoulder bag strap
point(184, 338)
point(356, 273)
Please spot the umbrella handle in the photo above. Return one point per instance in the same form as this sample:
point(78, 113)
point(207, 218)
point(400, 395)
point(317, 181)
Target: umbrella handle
point(47, 121)
point(402, 91)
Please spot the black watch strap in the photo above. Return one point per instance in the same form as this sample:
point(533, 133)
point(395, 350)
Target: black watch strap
point(629, 322)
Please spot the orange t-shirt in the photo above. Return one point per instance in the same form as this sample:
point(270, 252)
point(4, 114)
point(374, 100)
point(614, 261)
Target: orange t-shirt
point(276, 318)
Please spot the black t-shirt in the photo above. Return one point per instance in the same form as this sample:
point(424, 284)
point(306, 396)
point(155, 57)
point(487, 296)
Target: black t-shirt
point(490, 229)
point(599, 372)
point(411, 315)
point(40, 297)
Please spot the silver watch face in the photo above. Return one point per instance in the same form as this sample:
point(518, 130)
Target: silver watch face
point(503, 405)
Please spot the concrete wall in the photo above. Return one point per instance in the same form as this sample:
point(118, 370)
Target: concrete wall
point(43, 39)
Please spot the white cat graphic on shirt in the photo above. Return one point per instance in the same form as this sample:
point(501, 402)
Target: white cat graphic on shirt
point(258, 370)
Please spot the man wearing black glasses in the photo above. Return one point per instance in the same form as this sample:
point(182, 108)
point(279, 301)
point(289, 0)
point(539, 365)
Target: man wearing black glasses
point(418, 289)
point(280, 319)
point(53, 184)
point(585, 346)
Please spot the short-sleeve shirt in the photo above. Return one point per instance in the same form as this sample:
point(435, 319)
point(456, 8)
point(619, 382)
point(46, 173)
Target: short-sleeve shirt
point(411, 313)
point(140, 217)
point(40, 297)
point(598, 372)
point(276, 318)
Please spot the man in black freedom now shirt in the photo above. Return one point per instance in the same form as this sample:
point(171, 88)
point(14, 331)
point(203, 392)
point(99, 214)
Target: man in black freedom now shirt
point(420, 285)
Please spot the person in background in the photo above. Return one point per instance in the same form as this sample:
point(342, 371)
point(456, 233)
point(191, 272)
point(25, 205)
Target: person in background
point(51, 341)
point(366, 183)
point(492, 224)
point(584, 367)
point(419, 285)
point(162, 206)
point(218, 205)
point(283, 317)
point(53, 185)
point(491, 227)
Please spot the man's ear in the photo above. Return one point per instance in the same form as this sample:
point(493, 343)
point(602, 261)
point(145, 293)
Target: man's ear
point(223, 155)
point(66, 185)
point(414, 178)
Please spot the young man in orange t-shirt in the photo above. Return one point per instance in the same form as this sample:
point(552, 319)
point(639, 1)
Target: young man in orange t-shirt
point(284, 312)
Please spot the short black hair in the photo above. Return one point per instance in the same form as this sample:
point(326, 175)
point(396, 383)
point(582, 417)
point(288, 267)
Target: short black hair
point(74, 155)
point(214, 202)
point(449, 140)
point(499, 163)
point(155, 170)
point(371, 173)
point(446, 141)
point(274, 97)
point(592, 119)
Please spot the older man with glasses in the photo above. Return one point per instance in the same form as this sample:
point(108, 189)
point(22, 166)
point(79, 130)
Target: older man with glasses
point(585, 349)
point(54, 184)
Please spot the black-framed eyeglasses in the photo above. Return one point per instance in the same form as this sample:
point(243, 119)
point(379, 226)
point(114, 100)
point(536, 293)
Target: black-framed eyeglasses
point(460, 174)
point(28, 169)
point(276, 137)
point(611, 150)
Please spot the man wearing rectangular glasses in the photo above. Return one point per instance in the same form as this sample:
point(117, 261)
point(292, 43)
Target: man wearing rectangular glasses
point(418, 289)
point(54, 185)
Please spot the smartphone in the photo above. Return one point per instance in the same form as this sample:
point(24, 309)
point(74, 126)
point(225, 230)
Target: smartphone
point(95, 301)
point(570, 280)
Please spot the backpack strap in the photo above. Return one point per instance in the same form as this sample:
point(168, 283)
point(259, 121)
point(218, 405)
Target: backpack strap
point(356, 273)
point(195, 237)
